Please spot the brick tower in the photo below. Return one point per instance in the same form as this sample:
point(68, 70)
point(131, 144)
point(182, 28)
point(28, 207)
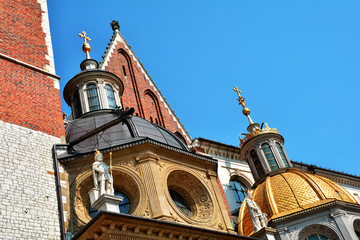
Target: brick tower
point(30, 122)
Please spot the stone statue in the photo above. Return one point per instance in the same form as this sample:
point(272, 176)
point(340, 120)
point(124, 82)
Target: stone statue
point(258, 218)
point(103, 179)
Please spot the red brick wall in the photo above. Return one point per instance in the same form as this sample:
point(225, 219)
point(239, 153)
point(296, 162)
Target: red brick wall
point(138, 93)
point(27, 98)
point(21, 34)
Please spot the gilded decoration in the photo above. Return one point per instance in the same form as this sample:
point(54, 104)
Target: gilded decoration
point(125, 180)
point(289, 192)
point(192, 188)
point(257, 132)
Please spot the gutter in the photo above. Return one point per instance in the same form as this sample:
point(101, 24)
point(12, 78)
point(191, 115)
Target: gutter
point(58, 193)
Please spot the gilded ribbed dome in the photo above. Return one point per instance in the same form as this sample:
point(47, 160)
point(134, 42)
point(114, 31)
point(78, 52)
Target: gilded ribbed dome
point(288, 191)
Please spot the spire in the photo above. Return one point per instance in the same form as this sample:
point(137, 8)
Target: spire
point(86, 46)
point(241, 100)
point(262, 147)
point(253, 128)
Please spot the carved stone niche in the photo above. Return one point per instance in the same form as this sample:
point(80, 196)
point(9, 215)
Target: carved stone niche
point(196, 194)
point(125, 181)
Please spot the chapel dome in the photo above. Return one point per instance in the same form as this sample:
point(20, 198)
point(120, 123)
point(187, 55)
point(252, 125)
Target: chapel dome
point(290, 190)
point(131, 130)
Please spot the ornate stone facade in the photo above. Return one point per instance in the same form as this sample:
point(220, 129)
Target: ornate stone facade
point(145, 174)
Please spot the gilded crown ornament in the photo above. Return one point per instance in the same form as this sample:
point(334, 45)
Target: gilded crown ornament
point(256, 132)
point(86, 46)
point(253, 128)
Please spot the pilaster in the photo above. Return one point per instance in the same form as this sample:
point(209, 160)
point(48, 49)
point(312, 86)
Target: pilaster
point(345, 228)
point(154, 188)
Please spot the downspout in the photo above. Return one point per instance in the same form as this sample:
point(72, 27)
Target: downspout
point(58, 191)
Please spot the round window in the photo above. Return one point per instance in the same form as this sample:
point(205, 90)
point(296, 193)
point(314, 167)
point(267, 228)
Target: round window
point(180, 202)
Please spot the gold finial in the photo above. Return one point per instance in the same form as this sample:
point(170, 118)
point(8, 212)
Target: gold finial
point(241, 100)
point(86, 46)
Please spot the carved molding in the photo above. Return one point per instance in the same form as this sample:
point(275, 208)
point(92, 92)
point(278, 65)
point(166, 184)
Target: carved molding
point(325, 229)
point(195, 190)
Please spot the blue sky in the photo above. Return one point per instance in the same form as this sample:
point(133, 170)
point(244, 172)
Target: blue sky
point(296, 62)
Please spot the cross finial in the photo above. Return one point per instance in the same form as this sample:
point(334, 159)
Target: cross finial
point(86, 46)
point(241, 100)
point(83, 35)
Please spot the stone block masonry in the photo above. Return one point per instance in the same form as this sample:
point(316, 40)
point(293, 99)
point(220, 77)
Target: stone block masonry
point(28, 208)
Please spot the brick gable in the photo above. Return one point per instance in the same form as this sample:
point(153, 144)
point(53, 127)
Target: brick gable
point(139, 91)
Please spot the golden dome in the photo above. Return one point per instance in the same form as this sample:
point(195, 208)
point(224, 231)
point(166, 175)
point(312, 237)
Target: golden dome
point(288, 191)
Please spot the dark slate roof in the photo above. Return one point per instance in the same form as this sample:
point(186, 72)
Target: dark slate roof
point(130, 130)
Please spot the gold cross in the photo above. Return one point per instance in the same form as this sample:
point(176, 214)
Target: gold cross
point(240, 99)
point(83, 35)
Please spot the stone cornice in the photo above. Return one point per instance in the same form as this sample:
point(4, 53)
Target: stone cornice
point(24, 64)
point(133, 144)
point(116, 225)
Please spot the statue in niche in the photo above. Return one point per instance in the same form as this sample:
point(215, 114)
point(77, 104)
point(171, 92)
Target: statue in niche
point(258, 218)
point(103, 179)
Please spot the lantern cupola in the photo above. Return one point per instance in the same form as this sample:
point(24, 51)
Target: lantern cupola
point(262, 147)
point(93, 89)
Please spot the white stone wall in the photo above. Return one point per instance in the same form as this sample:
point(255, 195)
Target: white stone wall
point(355, 191)
point(28, 201)
point(226, 168)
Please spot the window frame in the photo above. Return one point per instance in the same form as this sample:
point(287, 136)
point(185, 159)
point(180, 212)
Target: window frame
point(88, 97)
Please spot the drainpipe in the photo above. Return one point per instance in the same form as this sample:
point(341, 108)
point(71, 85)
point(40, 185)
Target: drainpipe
point(58, 191)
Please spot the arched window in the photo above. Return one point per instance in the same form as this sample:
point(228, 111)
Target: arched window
point(239, 190)
point(257, 163)
point(282, 154)
point(180, 202)
point(93, 98)
point(269, 156)
point(110, 96)
point(77, 104)
point(316, 237)
point(124, 206)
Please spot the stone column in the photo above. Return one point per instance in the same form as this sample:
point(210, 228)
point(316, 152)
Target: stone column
point(154, 187)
